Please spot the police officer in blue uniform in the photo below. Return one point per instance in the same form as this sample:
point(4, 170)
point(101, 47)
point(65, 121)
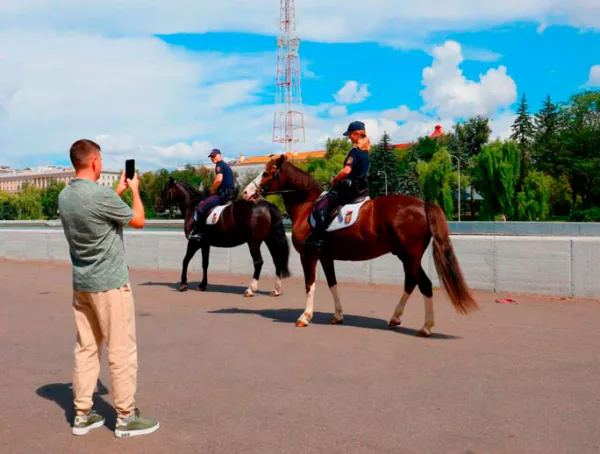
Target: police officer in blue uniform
point(347, 185)
point(222, 190)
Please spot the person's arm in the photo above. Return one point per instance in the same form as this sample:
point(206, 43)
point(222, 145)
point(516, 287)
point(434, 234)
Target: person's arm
point(139, 215)
point(122, 185)
point(345, 170)
point(342, 173)
point(218, 180)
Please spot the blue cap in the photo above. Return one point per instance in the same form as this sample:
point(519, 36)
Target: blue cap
point(355, 126)
point(214, 152)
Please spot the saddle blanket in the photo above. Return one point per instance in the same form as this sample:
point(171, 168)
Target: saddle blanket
point(214, 214)
point(345, 217)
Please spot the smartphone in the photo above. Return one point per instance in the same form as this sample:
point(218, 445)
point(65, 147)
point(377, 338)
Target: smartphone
point(129, 169)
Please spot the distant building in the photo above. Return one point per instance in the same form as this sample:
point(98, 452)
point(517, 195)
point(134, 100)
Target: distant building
point(255, 164)
point(13, 181)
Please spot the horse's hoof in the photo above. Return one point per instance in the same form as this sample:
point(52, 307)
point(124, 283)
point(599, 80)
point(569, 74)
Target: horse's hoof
point(394, 323)
point(301, 324)
point(183, 288)
point(274, 294)
point(248, 294)
point(424, 332)
point(202, 288)
point(337, 321)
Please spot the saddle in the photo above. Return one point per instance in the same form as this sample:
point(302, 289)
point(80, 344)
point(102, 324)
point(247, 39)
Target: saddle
point(362, 196)
point(343, 216)
point(213, 215)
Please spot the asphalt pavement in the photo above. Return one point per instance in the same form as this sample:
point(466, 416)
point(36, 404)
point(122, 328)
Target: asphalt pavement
point(227, 374)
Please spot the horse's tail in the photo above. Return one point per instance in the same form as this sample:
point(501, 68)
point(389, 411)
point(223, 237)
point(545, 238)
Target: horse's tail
point(446, 263)
point(277, 242)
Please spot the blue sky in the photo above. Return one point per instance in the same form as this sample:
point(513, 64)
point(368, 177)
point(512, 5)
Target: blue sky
point(164, 82)
point(555, 62)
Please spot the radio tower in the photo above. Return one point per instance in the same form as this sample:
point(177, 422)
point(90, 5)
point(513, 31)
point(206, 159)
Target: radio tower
point(288, 125)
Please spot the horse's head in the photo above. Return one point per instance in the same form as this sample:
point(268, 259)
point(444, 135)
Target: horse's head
point(168, 196)
point(271, 179)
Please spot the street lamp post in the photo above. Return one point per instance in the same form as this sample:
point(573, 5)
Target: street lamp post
point(385, 176)
point(459, 194)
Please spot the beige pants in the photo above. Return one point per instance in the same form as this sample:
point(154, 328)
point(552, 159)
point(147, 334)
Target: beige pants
point(108, 316)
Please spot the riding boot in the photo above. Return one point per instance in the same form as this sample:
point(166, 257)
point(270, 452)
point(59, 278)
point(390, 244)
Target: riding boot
point(197, 230)
point(315, 238)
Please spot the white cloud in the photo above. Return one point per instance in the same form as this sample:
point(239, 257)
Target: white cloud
point(97, 71)
point(352, 93)
point(594, 79)
point(448, 92)
point(71, 85)
point(382, 21)
point(337, 111)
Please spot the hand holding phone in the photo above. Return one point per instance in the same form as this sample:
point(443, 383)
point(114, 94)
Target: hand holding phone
point(129, 169)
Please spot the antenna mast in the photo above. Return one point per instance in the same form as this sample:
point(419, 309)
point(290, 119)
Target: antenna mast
point(288, 122)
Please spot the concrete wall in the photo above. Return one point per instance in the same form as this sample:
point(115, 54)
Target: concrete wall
point(561, 266)
point(590, 229)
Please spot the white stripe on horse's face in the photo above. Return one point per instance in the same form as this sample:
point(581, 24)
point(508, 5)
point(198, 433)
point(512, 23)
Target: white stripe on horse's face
point(252, 188)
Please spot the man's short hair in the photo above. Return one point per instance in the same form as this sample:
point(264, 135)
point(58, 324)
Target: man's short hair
point(81, 151)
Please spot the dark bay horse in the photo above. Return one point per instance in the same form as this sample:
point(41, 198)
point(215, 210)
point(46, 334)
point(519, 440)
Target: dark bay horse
point(240, 222)
point(397, 224)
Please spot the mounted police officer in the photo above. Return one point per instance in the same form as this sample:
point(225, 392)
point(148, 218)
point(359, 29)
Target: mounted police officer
point(222, 190)
point(349, 184)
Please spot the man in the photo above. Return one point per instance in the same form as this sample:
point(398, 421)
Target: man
point(347, 185)
point(93, 218)
point(221, 190)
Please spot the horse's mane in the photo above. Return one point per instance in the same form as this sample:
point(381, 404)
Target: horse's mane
point(300, 178)
point(190, 188)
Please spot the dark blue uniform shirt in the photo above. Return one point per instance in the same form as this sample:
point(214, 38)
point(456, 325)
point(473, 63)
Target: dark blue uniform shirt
point(360, 163)
point(224, 169)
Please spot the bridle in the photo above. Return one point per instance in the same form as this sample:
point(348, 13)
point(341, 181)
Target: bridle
point(266, 190)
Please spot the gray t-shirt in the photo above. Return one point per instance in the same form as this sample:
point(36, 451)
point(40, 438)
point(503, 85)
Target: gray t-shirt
point(93, 218)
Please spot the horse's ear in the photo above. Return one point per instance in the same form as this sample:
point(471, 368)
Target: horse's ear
point(171, 181)
point(280, 160)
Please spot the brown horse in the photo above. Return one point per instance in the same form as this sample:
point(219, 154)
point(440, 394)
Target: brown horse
point(397, 224)
point(240, 222)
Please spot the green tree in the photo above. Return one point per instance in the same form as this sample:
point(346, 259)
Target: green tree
point(581, 139)
point(337, 146)
point(561, 196)
point(29, 203)
point(435, 177)
point(49, 196)
point(322, 169)
point(467, 141)
point(495, 176)
point(425, 147)
point(8, 205)
point(469, 137)
point(546, 153)
point(533, 202)
point(383, 169)
point(522, 133)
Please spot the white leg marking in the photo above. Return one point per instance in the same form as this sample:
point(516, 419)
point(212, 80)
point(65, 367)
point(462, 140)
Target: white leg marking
point(277, 290)
point(396, 318)
point(253, 288)
point(429, 318)
point(308, 312)
point(337, 303)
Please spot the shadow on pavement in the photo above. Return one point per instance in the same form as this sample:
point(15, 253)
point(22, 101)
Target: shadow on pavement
point(322, 318)
point(62, 394)
point(211, 288)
